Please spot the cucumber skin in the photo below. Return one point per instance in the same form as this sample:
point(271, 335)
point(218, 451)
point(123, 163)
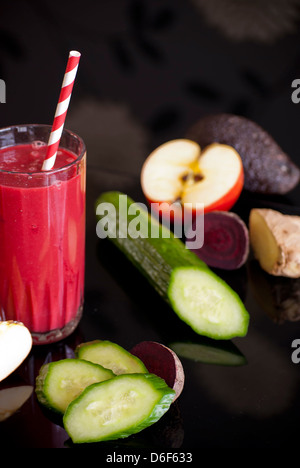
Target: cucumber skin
point(160, 408)
point(153, 257)
point(158, 258)
point(79, 349)
point(41, 382)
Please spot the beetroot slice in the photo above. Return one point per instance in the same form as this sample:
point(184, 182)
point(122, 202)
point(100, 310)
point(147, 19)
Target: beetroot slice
point(163, 362)
point(226, 240)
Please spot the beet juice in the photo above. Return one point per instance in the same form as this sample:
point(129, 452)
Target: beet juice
point(42, 232)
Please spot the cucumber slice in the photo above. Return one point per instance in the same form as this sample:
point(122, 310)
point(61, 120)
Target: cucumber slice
point(59, 382)
point(117, 408)
point(198, 296)
point(209, 354)
point(203, 302)
point(111, 356)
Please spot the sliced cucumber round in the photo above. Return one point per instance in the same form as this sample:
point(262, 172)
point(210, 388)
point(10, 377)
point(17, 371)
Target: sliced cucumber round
point(110, 355)
point(59, 382)
point(117, 408)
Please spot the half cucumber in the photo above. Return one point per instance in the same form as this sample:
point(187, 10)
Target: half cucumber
point(110, 355)
point(59, 382)
point(117, 408)
point(197, 295)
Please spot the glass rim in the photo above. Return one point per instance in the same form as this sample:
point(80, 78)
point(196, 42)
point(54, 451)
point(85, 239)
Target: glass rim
point(51, 171)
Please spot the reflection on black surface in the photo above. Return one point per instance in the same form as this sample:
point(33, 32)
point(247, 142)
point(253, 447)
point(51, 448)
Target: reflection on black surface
point(278, 296)
point(27, 426)
point(12, 399)
point(223, 353)
point(31, 425)
point(261, 21)
point(150, 306)
point(264, 389)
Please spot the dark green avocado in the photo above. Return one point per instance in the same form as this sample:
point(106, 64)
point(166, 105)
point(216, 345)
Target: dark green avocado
point(267, 168)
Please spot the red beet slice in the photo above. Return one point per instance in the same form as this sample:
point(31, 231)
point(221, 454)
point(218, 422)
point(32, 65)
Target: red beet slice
point(163, 362)
point(226, 240)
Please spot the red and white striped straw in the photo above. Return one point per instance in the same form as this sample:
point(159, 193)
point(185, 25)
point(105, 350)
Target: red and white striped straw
point(61, 110)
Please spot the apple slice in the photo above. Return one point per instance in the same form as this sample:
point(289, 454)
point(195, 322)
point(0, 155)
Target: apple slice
point(177, 172)
point(11, 399)
point(15, 345)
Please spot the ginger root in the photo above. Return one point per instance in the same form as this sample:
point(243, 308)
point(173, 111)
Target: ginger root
point(275, 241)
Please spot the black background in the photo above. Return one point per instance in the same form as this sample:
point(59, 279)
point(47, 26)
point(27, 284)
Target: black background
point(158, 65)
point(149, 69)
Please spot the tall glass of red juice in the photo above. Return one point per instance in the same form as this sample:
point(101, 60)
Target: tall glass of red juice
point(42, 232)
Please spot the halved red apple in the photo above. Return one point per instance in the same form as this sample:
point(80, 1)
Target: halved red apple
point(178, 173)
point(15, 345)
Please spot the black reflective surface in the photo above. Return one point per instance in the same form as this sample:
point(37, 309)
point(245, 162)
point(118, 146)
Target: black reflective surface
point(255, 404)
point(149, 70)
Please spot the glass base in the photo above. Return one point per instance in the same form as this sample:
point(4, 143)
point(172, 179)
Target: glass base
point(52, 336)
